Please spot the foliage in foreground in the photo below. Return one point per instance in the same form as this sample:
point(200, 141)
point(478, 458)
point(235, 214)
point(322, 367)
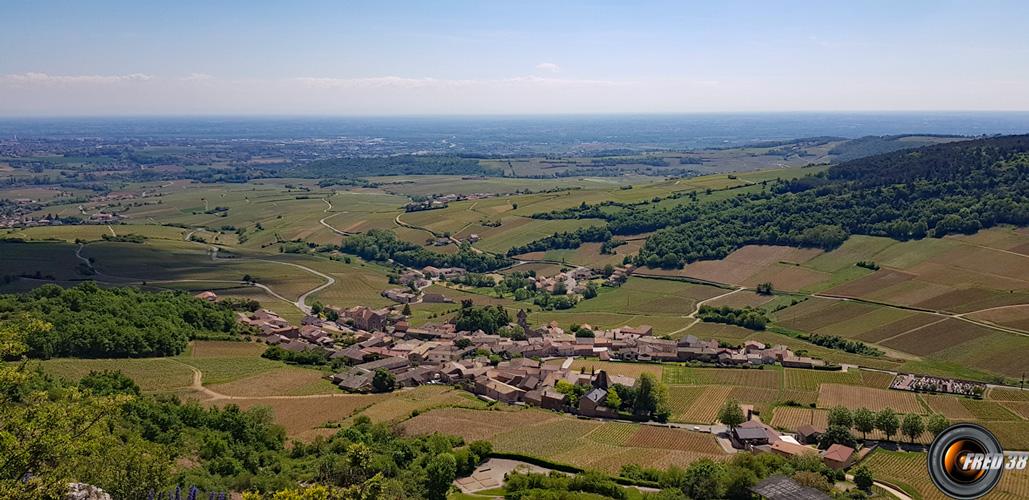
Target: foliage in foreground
point(102, 432)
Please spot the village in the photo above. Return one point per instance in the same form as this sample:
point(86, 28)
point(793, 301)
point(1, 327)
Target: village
point(520, 364)
point(534, 368)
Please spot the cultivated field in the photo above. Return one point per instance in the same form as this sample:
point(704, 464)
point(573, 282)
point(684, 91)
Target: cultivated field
point(1005, 394)
point(791, 418)
point(948, 406)
point(810, 380)
point(407, 403)
point(755, 264)
point(304, 416)
point(907, 471)
point(768, 378)
point(603, 446)
point(705, 406)
point(224, 349)
point(850, 396)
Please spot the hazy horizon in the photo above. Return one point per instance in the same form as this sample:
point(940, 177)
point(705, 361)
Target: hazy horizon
point(524, 134)
point(464, 58)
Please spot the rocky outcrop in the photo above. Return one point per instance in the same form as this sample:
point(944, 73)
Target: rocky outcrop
point(83, 491)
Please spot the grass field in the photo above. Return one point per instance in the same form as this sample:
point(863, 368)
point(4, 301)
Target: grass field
point(683, 398)
point(186, 265)
point(152, 374)
point(88, 232)
point(280, 381)
point(1020, 408)
point(650, 297)
point(656, 302)
point(45, 259)
point(618, 368)
point(1013, 435)
point(695, 394)
point(988, 410)
point(221, 370)
point(939, 274)
point(755, 264)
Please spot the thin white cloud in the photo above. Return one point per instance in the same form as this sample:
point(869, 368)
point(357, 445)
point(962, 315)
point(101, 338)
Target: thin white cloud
point(47, 79)
point(548, 66)
point(417, 83)
point(197, 77)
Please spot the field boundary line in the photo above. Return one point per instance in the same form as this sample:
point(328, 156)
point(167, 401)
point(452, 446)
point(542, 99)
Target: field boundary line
point(912, 330)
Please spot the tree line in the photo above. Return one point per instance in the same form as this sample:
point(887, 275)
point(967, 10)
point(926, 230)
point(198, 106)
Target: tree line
point(747, 317)
point(382, 245)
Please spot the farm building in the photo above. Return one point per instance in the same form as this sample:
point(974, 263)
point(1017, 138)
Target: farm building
point(838, 456)
point(807, 434)
point(788, 449)
point(592, 404)
point(746, 437)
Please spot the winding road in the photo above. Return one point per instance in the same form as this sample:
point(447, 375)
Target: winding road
point(300, 303)
point(327, 217)
point(197, 385)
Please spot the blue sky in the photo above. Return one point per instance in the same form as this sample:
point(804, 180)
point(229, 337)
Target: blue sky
point(486, 57)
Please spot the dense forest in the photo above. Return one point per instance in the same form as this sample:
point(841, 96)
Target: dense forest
point(382, 245)
point(89, 321)
point(958, 187)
